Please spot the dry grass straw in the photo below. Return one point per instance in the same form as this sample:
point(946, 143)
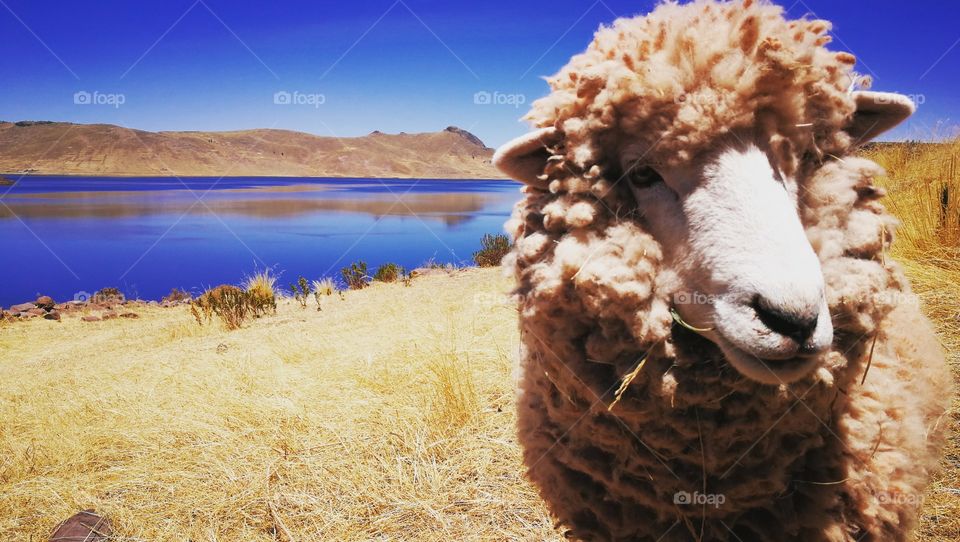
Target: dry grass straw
point(928, 246)
point(386, 416)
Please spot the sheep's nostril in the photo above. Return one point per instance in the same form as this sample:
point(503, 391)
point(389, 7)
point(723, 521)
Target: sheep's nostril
point(798, 327)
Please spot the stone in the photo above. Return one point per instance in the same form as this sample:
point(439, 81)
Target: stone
point(52, 315)
point(45, 302)
point(90, 318)
point(129, 315)
point(36, 311)
point(85, 526)
point(108, 315)
point(22, 307)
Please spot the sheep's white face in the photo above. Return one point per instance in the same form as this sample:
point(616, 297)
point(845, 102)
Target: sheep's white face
point(730, 227)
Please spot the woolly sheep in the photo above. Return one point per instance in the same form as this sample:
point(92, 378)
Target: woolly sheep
point(715, 346)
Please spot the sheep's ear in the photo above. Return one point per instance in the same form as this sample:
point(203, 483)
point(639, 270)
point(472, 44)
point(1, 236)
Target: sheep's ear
point(876, 113)
point(525, 158)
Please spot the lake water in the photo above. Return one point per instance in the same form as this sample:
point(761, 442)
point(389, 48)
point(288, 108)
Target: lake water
point(63, 236)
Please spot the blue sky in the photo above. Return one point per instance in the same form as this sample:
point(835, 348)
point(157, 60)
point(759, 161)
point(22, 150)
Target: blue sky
point(410, 65)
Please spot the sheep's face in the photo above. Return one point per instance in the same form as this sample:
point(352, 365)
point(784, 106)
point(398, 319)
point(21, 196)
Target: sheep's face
point(730, 228)
point(727, 222)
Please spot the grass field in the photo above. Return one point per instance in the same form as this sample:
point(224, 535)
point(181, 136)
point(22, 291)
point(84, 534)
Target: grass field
point(387, 416)
point(928, 246)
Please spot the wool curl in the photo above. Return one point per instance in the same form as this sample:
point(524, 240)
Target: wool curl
point(664, 87)
point(824, 458)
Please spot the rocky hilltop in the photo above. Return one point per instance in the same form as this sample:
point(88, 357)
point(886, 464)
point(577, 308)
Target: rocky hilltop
point(42, 147)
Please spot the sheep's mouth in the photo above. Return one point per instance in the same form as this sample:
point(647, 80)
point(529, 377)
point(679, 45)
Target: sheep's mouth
point(768, 371)
point(765, 371)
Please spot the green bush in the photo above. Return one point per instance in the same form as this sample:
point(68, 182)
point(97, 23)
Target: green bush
point(356, 275)
point(389, 272)
point(492, 250)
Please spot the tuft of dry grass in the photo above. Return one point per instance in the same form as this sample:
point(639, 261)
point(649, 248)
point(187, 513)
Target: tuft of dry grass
point(455, 402)
point(262, 292)
point(261, 283)
point(923, 184)
point(324, 287)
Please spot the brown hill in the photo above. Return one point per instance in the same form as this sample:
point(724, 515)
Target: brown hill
point(104, 149)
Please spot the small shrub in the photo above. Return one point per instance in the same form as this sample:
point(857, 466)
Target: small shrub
point(301, 291)
point(492, 250)
point(321, 289)
point(229, 303)
point(432, 263)
point(176, 295)
point(356, 275)
point(108, 295)
point(389, 272)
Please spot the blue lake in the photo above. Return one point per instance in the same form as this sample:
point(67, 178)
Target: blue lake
point(63, 236)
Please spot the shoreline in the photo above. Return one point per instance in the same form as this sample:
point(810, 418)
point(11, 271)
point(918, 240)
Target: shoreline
point(172, 176)
point(113, 303)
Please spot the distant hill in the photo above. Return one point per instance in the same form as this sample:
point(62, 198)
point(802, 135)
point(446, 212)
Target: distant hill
point(43, 147)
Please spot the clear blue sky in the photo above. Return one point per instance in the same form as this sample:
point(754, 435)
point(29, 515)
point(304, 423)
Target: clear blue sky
point(410, 65)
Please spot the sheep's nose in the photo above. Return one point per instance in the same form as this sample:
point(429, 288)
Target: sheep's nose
point(797, 326)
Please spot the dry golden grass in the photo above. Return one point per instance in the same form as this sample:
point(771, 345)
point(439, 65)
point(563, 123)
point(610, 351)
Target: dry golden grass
point(387, 416)
point(261, 284)
point(928, 246)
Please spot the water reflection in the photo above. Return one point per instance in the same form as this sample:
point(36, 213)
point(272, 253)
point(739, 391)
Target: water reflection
point(145, 235)
point(451, 209)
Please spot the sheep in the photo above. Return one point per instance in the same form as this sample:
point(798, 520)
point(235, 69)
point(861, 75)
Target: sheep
point(714, 342)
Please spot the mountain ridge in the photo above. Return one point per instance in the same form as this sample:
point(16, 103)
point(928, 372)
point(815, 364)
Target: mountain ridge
point(63, 148)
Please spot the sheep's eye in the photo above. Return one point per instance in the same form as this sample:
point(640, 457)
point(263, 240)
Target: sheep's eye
point(644, 177)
